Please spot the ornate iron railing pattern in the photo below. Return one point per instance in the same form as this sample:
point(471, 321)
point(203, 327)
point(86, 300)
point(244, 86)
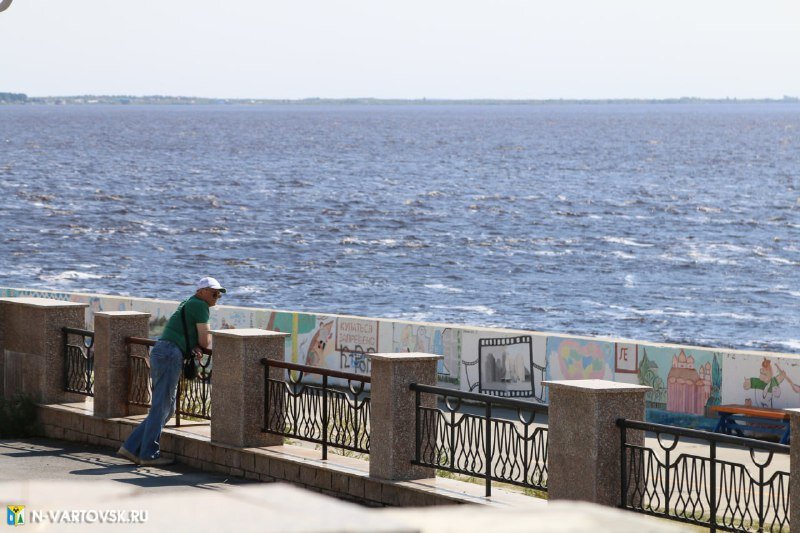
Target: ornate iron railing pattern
point(487, 446)
point(317, 413)
point(194, 396)
point(138, 351)
point(705, 491)
point(79, 361)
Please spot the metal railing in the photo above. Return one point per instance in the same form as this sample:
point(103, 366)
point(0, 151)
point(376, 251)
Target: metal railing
point(482, 445)
point(138, 350)
point(193, 399)
point(705, 490)
point(78, 361)
point(318, 413)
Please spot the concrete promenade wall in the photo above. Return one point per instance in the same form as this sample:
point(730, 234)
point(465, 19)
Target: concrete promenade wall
point(685, 380)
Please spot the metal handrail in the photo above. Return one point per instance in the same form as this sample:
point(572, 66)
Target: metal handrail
point(140, 340)
point(351, 376)
point(457, 433)
point(81, 382)
point(704, 435)
point(152, 342)
point(301, 419)
point(78, 331)
point(648, 484)
point(483, 398)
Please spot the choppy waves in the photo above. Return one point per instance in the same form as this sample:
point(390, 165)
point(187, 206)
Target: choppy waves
point(667, 223)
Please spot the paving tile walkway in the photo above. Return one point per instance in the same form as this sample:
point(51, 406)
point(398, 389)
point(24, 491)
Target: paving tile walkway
point(60, 480)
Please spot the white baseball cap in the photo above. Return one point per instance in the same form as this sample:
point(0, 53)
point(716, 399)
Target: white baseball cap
point(210, 283)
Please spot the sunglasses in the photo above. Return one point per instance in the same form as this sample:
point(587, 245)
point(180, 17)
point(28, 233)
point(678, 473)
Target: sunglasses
point(216, 294)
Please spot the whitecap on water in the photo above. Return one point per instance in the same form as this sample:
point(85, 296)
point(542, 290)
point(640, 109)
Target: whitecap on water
point(246, 289)
point(626, 242)
point(411, 317)
point(351, 240)
point(480, 309)
point(764, 254)
point(668, 311)
point(738, 316)
point(442, 287)
point(623, 255)
point(551, 253)
point(70, 275)
point(703, 257)
point(791, 344)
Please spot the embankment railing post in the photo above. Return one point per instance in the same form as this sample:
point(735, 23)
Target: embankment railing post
point(32, 347)
point(111, 363)
point(393, 413)
point(237, 389)
point(794, 467)
point(584, 445)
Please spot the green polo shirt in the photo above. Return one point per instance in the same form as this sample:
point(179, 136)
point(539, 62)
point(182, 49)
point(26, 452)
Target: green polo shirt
point(197, 312)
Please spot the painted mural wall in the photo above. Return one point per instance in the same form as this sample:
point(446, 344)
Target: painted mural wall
point(686, 382)
point(762, 380)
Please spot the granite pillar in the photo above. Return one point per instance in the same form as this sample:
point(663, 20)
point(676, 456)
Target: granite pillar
point(393, 413)
point(794, 466)
point(584, 440)
point(33, 349)
point(111, 367)
point(237, 391)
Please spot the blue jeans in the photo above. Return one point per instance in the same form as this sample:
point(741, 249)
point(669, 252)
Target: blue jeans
point(166, 364)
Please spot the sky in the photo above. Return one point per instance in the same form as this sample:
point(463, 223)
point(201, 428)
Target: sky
point(455, 49)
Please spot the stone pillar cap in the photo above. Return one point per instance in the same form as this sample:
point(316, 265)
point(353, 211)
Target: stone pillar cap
point(248, 332)
point(600, 386)
point(113, 314)
point(405, 356)
point(43, 302)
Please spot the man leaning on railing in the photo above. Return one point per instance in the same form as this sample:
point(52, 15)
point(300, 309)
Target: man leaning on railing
point(142, 447)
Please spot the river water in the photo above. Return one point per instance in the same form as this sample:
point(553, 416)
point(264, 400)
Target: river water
point(660, 222)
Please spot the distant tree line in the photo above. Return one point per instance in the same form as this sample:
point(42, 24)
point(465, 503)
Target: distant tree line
point(13, 97)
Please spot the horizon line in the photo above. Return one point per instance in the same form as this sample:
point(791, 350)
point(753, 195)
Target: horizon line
point(121, 98)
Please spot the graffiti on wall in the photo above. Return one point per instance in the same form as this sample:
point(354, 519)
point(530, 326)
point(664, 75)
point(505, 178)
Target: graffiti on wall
point(316, 344)
point(686, 383)
point(447, 342)
point(579, 359)
point(160, 311)
point(761, 381)
point(506, 366)
point(626, 358)
point(355, 338)
point(656, 397)
point(28, 293)
point(234, 317)
point(432, 339)
point(291, 323)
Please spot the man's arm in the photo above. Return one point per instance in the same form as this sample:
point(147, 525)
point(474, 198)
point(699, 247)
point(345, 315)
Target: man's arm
point(204, 335)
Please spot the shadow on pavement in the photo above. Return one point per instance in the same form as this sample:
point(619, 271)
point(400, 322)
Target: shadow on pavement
point(102, 463)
